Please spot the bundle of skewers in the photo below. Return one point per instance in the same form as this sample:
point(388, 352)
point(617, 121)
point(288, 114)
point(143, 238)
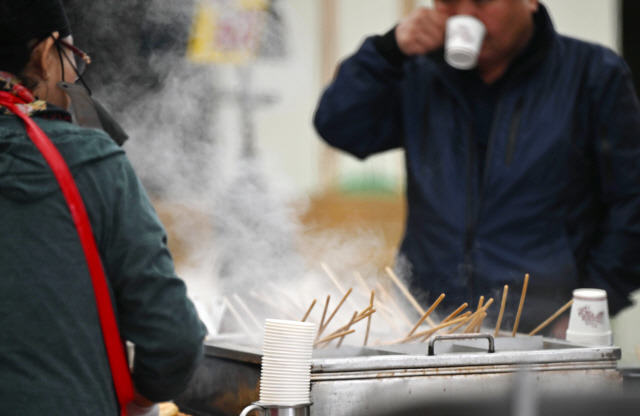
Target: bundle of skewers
point(332, 330)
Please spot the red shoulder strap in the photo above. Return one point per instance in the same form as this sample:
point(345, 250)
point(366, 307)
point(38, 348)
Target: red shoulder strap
point(112, 340)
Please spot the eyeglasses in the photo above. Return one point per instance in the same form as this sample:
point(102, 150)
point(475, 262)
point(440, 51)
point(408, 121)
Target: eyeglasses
point(81, 59)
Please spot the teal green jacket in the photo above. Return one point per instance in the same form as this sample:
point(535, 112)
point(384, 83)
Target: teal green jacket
point(52, 356)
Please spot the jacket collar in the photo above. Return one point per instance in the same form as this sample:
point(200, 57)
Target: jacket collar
point(31, 106)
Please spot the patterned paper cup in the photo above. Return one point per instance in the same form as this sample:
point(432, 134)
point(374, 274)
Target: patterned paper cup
point(589, 319)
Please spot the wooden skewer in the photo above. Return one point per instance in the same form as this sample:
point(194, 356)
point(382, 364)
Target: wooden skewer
point(551, 318)
point(358, 317)
point(336, 309)
point(286, 295)
point(427, 332)
point(479, 325)
point(502, 305)
point(334, 279)
point(394, 307)
point(454, 313)
point(360, 280)
point(524, 292)
point(386, 313)
point(332, 276)
point(393, 324)
point(366, 334)
point(431, 331)
point(467, 314)
point(407, 294)
point(426, 314)
point(468, 317)
point(238, 317)
point(324, 314)
point(484, 314)
point(464, 318)
point(389, 309)
point(247, 311)
point(334, 336)
point(473, 325)
point(264, 298)
point(404, 290)
point(480, 301)
point(351, 322)
point(306, 315)
point(365, 313)
point(344, 327)
point(478, 316)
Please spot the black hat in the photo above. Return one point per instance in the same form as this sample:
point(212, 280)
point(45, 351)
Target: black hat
point(24, 20)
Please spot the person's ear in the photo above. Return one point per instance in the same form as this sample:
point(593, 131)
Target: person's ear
point(43, 57)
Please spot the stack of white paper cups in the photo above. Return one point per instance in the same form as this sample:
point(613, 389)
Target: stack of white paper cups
point(589, 319)
point(286, 362)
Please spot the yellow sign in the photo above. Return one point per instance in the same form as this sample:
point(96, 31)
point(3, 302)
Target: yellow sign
point(226, 31)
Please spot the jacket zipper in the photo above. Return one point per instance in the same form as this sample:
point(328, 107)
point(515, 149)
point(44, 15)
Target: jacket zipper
point(607, 168)
point(470, 211)
point(473, 209)
point(513, 132)
point(472, 206)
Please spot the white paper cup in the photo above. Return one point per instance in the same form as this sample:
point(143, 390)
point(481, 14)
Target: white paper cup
point(463, 41)
point(297, 377)
point(278, 395)
point(290, 342)
point(293, 384)
point(289, 326)
point(589, 318)
point(297, 356)
point(282, 367)
point(285, 376)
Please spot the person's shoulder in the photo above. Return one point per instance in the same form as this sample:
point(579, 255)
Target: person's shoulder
point(591, 53)
point(79, 144)
point(598, 68)
point(61, 131)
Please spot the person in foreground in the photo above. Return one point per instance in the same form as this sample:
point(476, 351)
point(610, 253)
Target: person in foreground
point(528, 163)
point(52, 352)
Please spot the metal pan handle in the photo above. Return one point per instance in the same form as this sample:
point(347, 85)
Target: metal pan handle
point(251, 408)
point(302, 409)
point(458, 337)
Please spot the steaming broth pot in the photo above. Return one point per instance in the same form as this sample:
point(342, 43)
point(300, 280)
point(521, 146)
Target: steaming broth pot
point(352, 380)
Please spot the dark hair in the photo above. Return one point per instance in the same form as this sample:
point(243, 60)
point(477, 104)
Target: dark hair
point(23, 21)
point(15, 58)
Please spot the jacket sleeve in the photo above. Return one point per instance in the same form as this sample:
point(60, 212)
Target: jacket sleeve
point(615, 261)
point(360, 111)
point(151, 301)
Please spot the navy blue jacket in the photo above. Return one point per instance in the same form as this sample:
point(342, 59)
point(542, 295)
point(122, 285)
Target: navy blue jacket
point(559, 194)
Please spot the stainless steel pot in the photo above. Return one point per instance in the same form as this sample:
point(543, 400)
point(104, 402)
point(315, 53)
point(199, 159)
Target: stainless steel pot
point(349, 380)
